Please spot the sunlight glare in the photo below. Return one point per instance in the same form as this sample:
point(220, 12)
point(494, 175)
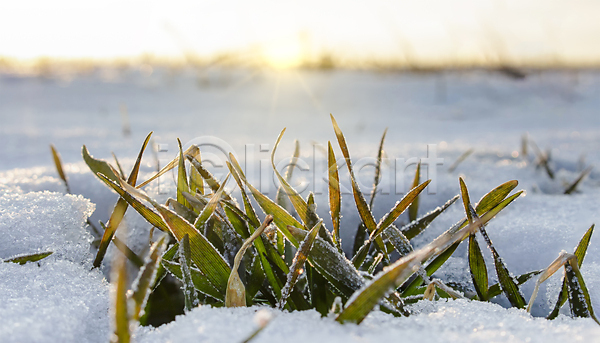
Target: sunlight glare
point(283, 54)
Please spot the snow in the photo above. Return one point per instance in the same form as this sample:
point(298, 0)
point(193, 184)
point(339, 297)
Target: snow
point(61, 299)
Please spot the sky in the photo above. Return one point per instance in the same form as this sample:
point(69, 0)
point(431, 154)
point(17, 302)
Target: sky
point(286, 32)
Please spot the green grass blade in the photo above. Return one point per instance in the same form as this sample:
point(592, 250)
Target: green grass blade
point(119, 168)
point(22, 259)
point(238, 175)
point(192, 151)
point(98, 166)
point(496, 290)
point(201, 282)
point(495, 196)
point(203, 253)
point(331, 264)
point(280, 196)
point(146, 278)
point(361, 204)
point(361, 303)
point(121, 206)
point(130, 254)
point(508, 284)
point(466, 199)
point(478, 269)
point(413, 229)
point(580, 252)
point(413, 210)
point(196, 180)
point(579, 297)
point(209, 209)
point(399, 208)
point(335, 199)
point(298, 264)
point(412, 285)
point(148, 214)
point(59, 167)
point(121, 316)
point(211, 181)
point(185, 261)
point(182, 181)
point(441, 259)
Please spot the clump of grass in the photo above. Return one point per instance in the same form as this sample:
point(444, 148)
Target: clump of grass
point(208, 228)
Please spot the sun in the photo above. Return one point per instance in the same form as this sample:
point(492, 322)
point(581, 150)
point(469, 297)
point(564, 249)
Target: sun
point(283, 54)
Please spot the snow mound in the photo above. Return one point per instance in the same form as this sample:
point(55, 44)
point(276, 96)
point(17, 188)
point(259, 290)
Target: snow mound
point(57, 301)
point(44, 221)
point(440, 321)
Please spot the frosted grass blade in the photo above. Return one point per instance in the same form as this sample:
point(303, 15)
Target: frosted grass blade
point(185, 262)
point(579, 297)
point(146, 278)
point(298, 263)
point(413, 229)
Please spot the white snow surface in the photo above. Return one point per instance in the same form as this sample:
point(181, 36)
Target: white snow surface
point(60, 299)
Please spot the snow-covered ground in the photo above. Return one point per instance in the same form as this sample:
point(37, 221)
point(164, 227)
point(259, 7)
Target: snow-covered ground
point(60, 299)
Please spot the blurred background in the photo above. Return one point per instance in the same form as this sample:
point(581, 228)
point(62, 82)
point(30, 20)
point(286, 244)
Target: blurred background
point(283, 34)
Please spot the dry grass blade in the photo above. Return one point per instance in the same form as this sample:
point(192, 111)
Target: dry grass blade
point(236, 292)
point(558, 263)
point(22, 259)
point(130, 254)
point(59, 167)
point(413, 210)
point(335, 199)
point(460, 159)
point(580, 252)
point(146, 278)
point(571, 188)
point(298, 263)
